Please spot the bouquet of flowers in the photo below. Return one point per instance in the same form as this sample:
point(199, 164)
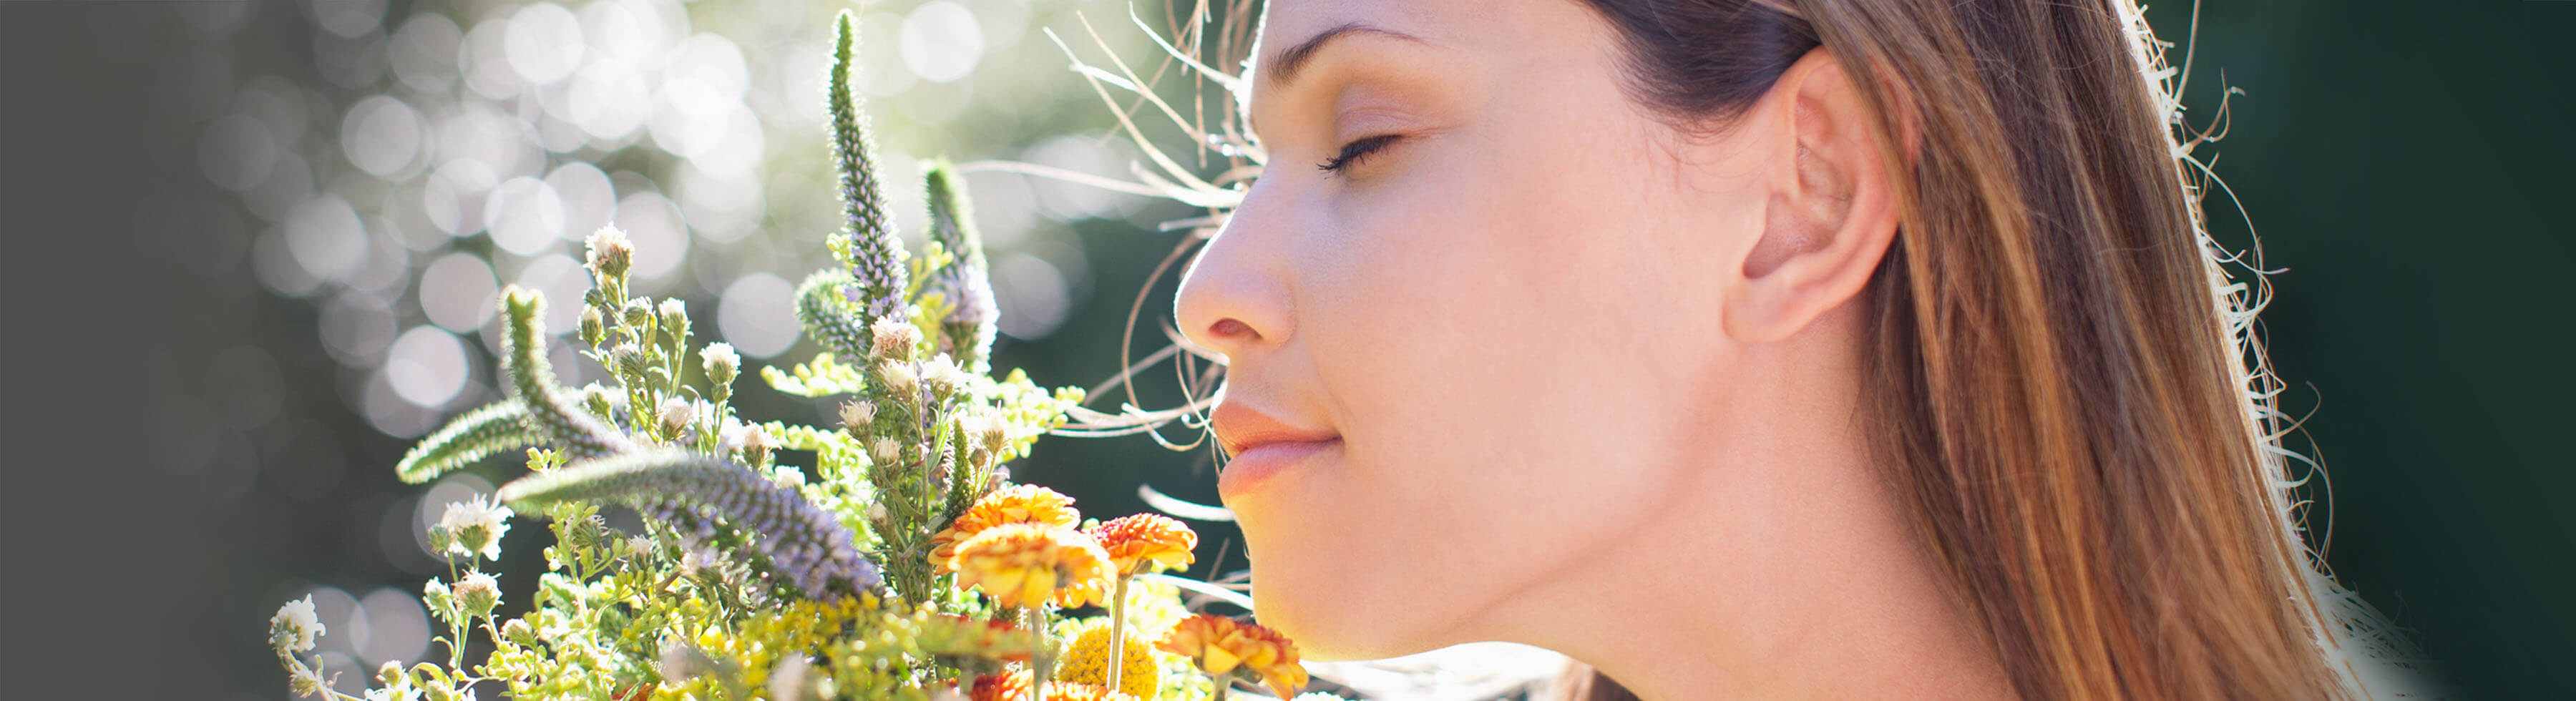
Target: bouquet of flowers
point(901, 563)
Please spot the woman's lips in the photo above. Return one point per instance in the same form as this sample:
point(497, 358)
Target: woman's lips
point(1261, 463)
point(1262, 446)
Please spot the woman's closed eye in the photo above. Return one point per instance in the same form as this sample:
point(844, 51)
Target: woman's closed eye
point(1355, 151)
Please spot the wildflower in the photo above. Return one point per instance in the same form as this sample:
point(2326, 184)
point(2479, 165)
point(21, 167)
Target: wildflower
point(894, 338)
point(942, 377)
point(610, 252)
point(757, 442)
point(294, 627)
point(858, 414)
point(1142, 542)
point(1025, 564)
point(474, 527)
point(723, 364)
point(675, 316)
point(676, 414)
point(1021, 503)
point(478, 593)
point(887, 450)
point(1086, 661)
point(1221, 646)
point(898, 378)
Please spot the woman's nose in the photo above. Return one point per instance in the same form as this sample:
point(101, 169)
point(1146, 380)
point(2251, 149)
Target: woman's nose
point(1235, 297)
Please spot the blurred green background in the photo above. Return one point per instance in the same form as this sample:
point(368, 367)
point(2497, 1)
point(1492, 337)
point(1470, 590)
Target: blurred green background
point(252, 247)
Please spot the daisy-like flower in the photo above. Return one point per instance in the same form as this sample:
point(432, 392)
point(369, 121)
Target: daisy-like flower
point(1016, 685)
point(1146, 542)
point(1086, 661)
point(475, 526)
point(1019, 503)
point(294, 627)
point(1222, 646)
point(1026, 564)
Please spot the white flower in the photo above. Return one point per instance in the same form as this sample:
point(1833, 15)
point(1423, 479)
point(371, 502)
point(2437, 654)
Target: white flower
point(676, 414)
point(858, 414)
point(476, 525)
point(610, 251)
point(943, 377)
point(722, 362)
point(758, 440)
point(294, 627)
point(898, 378)
point(478, 593)
point(886, 450)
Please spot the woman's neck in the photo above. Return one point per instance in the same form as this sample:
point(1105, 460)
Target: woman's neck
point(1781, 567)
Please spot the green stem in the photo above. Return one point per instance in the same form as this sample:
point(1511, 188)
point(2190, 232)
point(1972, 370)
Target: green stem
point(1042, 660)
point(1117, 632)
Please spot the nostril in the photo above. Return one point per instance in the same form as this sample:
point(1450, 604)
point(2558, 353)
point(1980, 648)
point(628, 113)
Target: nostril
point(1231, 329)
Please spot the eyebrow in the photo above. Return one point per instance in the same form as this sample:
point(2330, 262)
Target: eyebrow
point(1282, 68)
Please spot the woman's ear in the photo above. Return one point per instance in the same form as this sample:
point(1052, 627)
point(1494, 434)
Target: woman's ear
point(1832, 207)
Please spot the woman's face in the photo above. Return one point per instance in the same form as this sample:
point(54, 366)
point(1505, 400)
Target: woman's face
point(1472, 304)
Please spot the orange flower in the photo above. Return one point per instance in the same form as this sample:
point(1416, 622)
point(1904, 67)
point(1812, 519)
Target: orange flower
point(1015, 686)
point(1019, 503)
point(1026, 564)
point(1222, 645)
point(1146, 542)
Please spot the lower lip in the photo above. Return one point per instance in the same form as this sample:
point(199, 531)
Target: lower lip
point(1258, 466)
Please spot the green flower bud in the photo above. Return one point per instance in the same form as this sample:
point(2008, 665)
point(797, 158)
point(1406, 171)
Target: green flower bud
point(518, 631)
point(638, 315)
point(675, 318)
point(594, 330)
point(477, 594)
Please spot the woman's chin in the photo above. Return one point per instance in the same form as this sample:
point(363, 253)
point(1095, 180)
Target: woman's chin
point(1332, 617)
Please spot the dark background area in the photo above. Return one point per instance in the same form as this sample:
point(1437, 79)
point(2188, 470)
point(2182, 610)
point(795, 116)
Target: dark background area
point(2405, 162)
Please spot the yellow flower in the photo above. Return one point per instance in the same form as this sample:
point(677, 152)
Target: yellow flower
point(1221, 645)
point(1025, 564)
point(1145, 542)
point(1019, 503)
point(1086, 660)
point(1015, 686)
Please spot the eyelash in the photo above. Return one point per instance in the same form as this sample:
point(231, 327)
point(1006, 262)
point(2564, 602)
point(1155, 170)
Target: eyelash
point(1356, 150)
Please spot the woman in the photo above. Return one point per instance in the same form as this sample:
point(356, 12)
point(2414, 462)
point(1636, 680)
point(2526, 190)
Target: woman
point(1752, 348)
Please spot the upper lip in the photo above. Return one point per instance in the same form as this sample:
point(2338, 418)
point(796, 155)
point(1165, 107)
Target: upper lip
point(1239, 427)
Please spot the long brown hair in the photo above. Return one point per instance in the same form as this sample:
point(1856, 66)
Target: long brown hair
point(2073, 405)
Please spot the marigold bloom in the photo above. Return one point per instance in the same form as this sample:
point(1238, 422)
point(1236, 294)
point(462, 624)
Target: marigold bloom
point(1016, 686)
point(1019, 503)
point(1026, 564)
point(1221, 645)
point(1146, 541)
point(1086, 661)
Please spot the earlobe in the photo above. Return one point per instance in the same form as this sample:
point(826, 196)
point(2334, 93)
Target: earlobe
point(1832, 211)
